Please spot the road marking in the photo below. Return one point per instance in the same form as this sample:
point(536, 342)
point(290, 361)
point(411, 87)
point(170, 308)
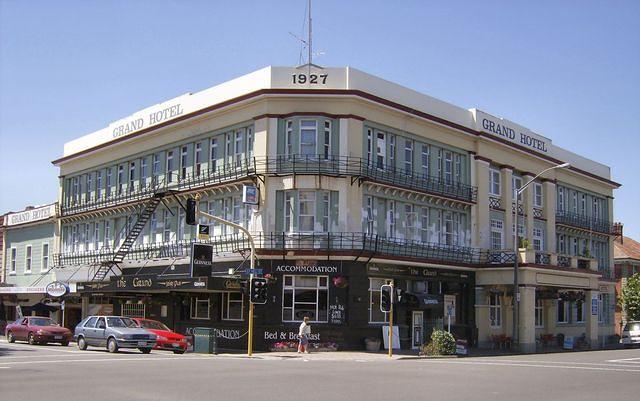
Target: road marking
point(553, 362)
point(528, 365)
point(125, 359)
point(40, 348)
point(625, 360)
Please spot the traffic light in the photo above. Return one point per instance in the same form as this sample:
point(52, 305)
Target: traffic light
point(191, 212)
point(258, 290)
point(386, 297)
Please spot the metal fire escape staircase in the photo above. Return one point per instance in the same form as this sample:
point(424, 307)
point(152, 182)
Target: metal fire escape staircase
point(107, 266)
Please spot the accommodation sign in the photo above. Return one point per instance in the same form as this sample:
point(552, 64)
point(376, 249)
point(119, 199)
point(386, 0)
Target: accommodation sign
point(28, 216)
point(154, 117)
point(511, 132)
point(305, 268)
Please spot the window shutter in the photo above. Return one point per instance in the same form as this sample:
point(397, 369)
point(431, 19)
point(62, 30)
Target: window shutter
point(279, 226)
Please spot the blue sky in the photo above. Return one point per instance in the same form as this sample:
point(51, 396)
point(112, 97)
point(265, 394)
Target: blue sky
point(569, 70)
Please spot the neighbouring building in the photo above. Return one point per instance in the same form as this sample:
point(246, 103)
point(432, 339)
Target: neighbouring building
point(627, 263)
point(29, 244)
point(361, 182)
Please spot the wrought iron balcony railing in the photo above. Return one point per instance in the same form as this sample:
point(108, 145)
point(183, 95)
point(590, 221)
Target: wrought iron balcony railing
point(564, 261)
point(357, 244)
point(543, 258)
point(585, 222)
point(339, 166)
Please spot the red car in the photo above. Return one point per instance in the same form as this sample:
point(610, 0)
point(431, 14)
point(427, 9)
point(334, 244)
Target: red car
point(167, 339)
point(37, 330)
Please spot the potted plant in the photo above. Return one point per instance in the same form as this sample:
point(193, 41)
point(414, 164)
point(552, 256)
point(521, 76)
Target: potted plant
point(340, 282)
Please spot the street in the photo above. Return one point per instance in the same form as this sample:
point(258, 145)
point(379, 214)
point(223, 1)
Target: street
point(56, 372)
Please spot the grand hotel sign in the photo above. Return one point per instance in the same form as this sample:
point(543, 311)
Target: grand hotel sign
point(29, 216)
point(511, 132)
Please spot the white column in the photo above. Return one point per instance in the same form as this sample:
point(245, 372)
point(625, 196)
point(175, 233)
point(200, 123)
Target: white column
point(506, 174)
point(527, 319)
point(591, 319)
point(482, 226)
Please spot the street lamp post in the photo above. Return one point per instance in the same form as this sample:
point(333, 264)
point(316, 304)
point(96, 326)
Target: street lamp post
point(252, 260)
point(516, 290)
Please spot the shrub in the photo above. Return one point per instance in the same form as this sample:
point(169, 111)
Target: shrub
point(442, 343)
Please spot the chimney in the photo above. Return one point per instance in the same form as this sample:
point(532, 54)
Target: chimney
point(617, 231)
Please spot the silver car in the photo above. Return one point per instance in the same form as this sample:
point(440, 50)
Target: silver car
point(113, 332)
point(630, 334)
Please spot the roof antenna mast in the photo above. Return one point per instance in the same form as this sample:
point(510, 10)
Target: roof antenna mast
point(310, 61)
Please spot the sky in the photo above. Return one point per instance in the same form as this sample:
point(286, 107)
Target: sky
point(568, 70)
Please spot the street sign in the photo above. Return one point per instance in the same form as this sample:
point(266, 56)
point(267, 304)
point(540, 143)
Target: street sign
point(257, 272)
point(250, 194)
point(203, 232)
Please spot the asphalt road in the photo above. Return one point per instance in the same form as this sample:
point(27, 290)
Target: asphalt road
point(64, 373)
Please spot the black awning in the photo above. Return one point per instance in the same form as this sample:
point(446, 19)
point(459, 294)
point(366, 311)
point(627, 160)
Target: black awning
point(422, 301)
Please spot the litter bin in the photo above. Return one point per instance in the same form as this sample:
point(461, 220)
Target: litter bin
point(204, 340)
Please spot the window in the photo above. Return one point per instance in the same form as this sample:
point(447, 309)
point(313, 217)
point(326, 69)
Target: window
point(14, 254)
point(539, 310)
point(495, 310)
point(410, 220)
point(408, 157)
point(392, 151)
point(583, 204)
point(166, 235)
point(87, 236)
point(448, 167)
point(538, 244)
point(98, 184)
point(155, 168)
point(369, 146)
point(229, 147)
point(153, 227)
point(326, 146)
point(132, 176)
point(184, 154)
point(89, 186)
point(96, 235)
point(249, 142)
point(381, 150)
point(537, 194)
point(238, 147)
point(200, 308)
point(560, 199)
point(213, 154)
point(497, 232)
point(308, 135)
point(375, 314)
point(325, 211)
point(516, 182)
point(198, 159)
point(27, 259)
point(369, 215)
point(288, 211)
point(494, 182)
point(232, 306)
point(448, 228)
point(595, 213)
point(143, 171)
point(574, 246)
point(424, 228)
point(181, 223)
point(45, 257)
point(391, 219)
point(107, 233)
point(109, 183)
point(305, 296)
point(579, 308)
point(601, 304)
point(425, 160)
point(75, 190)
point(289, 137)
point(120, 179)
point(170, 166)
point(458, 169)
point(563, 311)
point(307, 210)
point(562, 244)
point(574, 202)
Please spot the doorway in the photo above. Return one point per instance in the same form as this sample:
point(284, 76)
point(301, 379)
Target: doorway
point(417, 329)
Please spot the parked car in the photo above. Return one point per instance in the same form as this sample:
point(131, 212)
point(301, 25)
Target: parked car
point(631, 334)
point(166, 338)
point(113, 332)
point(37, 330)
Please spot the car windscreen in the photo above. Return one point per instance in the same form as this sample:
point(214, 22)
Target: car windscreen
point(41, 321)
point(633, 326)
point(153, 325)
point(120, 322)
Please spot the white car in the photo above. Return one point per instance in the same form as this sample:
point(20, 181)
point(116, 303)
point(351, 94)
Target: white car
point(630, 334)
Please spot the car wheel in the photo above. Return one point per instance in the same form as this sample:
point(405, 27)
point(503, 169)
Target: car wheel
point(112, 345)
point(10, 337)
point(82, 344)
point(31, 339)
point(145, 350)
point(64, 343)
point(178, 352)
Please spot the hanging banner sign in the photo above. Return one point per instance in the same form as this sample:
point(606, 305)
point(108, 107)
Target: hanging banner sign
point(141, 283)
point(56, 289)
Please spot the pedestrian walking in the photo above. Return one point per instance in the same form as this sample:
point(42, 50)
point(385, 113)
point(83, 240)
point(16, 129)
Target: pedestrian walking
point(303, 335)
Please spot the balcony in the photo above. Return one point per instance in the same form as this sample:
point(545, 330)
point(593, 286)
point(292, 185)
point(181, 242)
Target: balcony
point(335, 166)
point(587, 223)
point(359, 245)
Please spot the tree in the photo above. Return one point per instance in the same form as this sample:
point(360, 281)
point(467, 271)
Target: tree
point(630, 297)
